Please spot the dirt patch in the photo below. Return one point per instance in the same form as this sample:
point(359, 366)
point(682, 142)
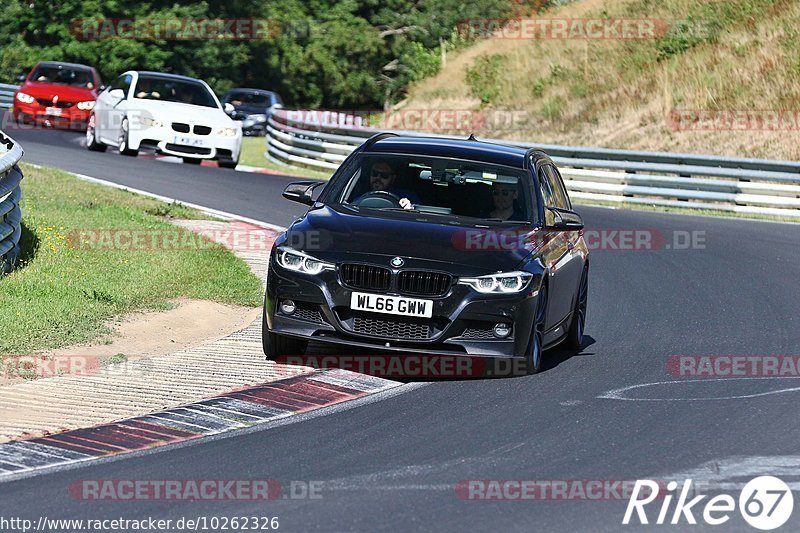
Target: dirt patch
point(191, 323)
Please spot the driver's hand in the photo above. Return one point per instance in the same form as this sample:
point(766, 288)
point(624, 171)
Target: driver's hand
point(405, 203)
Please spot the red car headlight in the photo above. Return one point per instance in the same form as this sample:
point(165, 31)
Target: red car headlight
point(25, 98)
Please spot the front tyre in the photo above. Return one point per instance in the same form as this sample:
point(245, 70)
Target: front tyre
point(533, 358)
point(91, 137)
point(574, 340)
point(124, 144)
point(275, 345)
point(228, 163)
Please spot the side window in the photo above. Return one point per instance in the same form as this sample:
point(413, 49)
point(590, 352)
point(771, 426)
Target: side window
point(547, 193)
point(123, 82)
point(557, 186)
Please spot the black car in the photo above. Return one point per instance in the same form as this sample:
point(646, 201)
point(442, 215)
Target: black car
point(253, 107)
point(435, 246)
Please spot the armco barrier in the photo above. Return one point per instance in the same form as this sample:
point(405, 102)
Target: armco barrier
point(742, 185)
point(7, 95)
point(10, 193)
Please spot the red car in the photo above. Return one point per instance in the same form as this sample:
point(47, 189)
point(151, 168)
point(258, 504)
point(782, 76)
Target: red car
point(57, 94)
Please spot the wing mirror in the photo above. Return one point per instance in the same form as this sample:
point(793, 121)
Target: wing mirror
point(20, 78)
point(119, 94)
point(563, 219)
point(301, 191)
point(229, 109)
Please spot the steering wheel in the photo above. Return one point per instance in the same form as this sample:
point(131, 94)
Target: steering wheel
point(379, 200)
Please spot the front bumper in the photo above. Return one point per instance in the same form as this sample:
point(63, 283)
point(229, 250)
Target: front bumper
point(165, 141)
point(38, 114)
point(462, 320)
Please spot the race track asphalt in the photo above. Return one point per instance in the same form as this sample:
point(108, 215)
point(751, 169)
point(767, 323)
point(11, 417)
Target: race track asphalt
point(393, 464)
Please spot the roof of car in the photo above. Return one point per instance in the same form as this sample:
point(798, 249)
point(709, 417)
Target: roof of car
point(249, 90)
point(61, 64)
point(470, 149)
point(165, 75)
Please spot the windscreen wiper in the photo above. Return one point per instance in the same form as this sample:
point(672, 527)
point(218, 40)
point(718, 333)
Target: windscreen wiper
point(519, 222)
point(412, 210)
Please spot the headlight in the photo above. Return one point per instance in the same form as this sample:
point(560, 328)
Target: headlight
point(301, 262)
point(25, 98)
point(227, 132)
point(150, 122)
point(505, 283)
point(258, 118)
point(89, 104)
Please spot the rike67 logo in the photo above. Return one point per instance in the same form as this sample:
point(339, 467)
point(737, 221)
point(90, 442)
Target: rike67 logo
point(765, 503)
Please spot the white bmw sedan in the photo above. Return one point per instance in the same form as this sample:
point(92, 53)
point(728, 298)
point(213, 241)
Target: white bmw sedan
point(167, 114)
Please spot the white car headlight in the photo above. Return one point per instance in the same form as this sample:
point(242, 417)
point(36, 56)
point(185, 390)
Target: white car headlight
point(227, 132)
point(301, 262)
point(505, 283)
point(87, 105)
point(25, 98)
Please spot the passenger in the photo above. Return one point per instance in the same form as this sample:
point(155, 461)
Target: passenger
point(504, 203)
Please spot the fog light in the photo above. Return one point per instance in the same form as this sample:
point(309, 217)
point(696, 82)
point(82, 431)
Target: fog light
point(502, 330)
point(288, 307)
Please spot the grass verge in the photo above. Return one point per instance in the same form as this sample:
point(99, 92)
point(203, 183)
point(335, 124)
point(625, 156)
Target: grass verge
point(61, 295)
point(713, 57)
point(253, 149)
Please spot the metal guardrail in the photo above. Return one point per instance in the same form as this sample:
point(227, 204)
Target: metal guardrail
point(10, 194)
point(7, 95)
point(742, 185)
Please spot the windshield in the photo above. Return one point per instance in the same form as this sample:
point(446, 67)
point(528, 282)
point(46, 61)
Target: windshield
point(172, 90)
point(443, 187)
point(63, 75)
point(249, 99)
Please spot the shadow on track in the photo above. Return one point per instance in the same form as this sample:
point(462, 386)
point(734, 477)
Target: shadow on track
point(411, 367)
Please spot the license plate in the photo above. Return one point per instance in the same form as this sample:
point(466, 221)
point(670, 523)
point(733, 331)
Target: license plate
point(55, 111)
point(189, 141)
point(393, 305)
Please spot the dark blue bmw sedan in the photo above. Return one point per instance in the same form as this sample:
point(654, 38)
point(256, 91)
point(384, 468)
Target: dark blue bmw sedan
point(431, 245)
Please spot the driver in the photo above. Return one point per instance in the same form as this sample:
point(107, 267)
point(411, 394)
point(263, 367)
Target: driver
point(382, 177)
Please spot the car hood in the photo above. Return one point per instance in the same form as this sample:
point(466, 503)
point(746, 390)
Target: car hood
point(64, 92)
point(462, 250)
point(179, 112)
